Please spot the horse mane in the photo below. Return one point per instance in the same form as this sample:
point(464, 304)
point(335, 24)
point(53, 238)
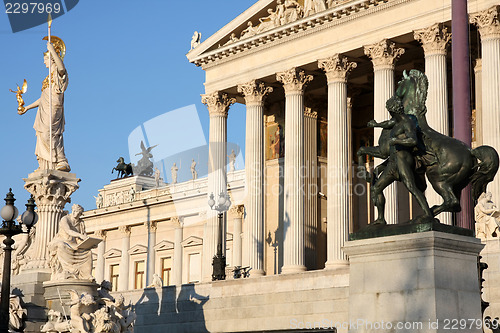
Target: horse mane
point(422, 85)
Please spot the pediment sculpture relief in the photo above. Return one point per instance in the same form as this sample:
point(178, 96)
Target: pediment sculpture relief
point(286, 11)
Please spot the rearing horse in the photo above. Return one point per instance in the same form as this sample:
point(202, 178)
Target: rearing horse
point(449, 163)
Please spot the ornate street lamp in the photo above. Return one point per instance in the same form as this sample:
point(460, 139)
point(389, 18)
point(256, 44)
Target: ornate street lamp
point(9, 229)
point(219, 260)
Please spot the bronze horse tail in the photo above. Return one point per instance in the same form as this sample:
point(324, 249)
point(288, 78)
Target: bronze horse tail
point(487, 167)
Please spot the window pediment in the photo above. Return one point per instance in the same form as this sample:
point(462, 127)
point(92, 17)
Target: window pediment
point(113, 253)
point(138, 249)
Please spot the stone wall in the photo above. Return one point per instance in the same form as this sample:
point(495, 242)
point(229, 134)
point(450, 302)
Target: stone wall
point(268, 303)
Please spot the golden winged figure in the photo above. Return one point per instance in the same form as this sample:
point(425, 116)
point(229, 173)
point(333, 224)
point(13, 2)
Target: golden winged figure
point(19, 95)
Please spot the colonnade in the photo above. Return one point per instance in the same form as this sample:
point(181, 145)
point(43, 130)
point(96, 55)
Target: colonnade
point(384, 55)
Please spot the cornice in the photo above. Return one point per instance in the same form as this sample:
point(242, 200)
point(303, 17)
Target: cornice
point(294, 30)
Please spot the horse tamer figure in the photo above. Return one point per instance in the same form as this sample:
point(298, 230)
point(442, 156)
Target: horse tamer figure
point(449, 164)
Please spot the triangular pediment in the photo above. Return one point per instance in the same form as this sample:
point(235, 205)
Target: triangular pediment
point(164, 245)
point(138, 249)
point(267, 22)
point(113, 253)
point(192, 241)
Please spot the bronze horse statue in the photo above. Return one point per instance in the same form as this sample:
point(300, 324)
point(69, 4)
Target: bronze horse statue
point(450, 165)
point(124, 169)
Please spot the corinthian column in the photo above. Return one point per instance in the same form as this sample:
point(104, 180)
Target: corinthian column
point(434, 40)
point(383, 56)
point(337, 68)
point(101, 247)
point(150, 269)
point(52, 190)
point(218, 105)
point(124, 262)
point(489, 28)
point(254, 93)
point(310, 186)
point(294, 82)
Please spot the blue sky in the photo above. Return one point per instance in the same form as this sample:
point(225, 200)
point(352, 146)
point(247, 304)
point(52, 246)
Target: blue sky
point(127, 65)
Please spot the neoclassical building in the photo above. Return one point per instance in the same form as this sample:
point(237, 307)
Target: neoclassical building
point(311, 73)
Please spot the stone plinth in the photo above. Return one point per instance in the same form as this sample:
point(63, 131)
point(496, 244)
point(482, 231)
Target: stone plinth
point(413, 279)
point(56, 292)
point(29, 286)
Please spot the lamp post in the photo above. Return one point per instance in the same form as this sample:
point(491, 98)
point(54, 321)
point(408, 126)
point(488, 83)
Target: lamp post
point(9, 229)
point(219, 260)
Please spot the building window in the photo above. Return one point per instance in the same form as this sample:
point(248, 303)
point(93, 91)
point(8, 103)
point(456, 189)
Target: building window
point(166, 269)
point(194, 268)
point(113, 276)
point(139, 282)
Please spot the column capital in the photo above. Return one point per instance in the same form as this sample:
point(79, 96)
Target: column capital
point(217, 103)
point(254, 92)
point(151, 225)
point(478, 67)
point(238, 210)
point(488, 22)
point(309, 113)
point(294, 80)
point(434, 39)
point(336, 67)
point(177, 221)
point(100, 234)
point(383, 54)
point(124, 229)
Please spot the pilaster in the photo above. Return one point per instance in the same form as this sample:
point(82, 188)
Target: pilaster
point(310, 186)
point(294, 82)
point(178, 237)
point(239, 212)
point(150, 268)
point(101, 248)
point(254, 93)
point(337, 69)
point(125, 260)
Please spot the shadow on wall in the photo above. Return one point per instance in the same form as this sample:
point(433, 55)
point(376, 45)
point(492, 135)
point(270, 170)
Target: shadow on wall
point(178, 308)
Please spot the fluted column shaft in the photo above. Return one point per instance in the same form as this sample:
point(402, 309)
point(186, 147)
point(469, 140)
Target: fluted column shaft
point(254, 93)
point(217, 104)
point(310, 186)
point(150, 269)
point(124, 262)
point(383, 56)
point(101, 248)
point(434, 40)
point(478, 79)
point(294, 82)
point(338, 210)
point(489, 29)
point(177, 276)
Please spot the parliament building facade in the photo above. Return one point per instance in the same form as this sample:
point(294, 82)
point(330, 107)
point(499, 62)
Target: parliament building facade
point(311, 74)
